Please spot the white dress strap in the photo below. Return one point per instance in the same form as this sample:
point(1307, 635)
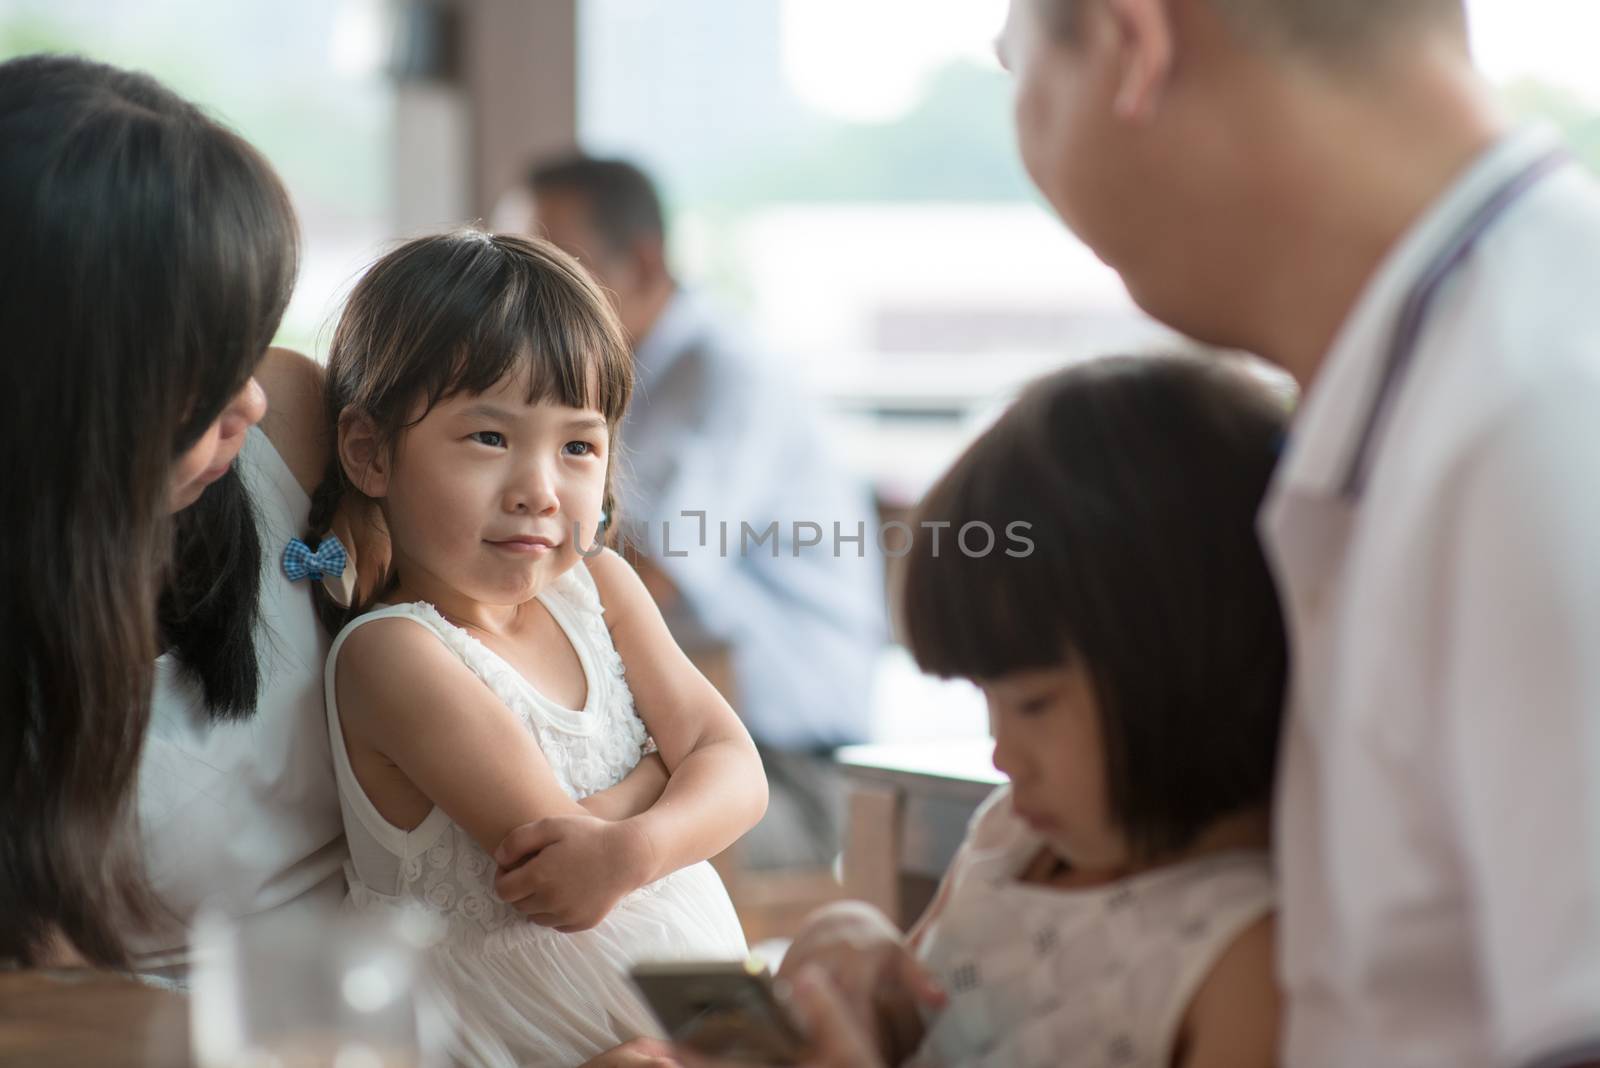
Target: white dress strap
point(397, 842)
point(577, 590)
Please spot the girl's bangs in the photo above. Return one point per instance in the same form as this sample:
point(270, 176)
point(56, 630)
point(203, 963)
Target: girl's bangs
point(539, 328)
point(985, 615)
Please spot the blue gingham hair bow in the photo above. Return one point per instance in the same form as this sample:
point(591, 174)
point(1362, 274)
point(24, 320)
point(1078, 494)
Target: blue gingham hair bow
point(300, 562)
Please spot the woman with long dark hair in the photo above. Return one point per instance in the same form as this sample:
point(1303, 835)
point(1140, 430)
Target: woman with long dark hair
point(161, 724)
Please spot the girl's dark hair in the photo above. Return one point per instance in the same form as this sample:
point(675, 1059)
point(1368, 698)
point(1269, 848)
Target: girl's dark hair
point(456, 313)
point(149, 255)
point(211, 603)
point(1139, 479)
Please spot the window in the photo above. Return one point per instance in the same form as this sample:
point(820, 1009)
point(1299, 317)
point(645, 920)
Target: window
point(300, 79)
point(844, 174)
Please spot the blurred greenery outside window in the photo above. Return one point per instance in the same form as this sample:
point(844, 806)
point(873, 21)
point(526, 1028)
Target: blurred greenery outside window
point(844, 173)
point(841, 172)
point(299, 79)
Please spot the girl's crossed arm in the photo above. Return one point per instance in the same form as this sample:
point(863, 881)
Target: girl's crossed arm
point(717, 790)
point(423, 730)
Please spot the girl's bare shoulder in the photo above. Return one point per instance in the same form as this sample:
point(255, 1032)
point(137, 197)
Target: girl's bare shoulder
point(295, 422)
point(1234, 1017)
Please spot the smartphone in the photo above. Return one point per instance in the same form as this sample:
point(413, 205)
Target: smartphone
point(722, 1009)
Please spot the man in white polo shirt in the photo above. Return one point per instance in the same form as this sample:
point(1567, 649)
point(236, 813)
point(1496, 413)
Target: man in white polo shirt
point(1330, 184)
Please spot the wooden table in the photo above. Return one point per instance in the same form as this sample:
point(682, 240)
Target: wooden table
point(909, 807)
point(909, 804)
point(73, 1018)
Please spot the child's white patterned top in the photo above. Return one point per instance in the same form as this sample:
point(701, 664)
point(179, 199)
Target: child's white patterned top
point(1076, 978)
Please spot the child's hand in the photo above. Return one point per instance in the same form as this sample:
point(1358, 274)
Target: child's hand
point(865, 957)
point(640, 1053)
point(836, 1035)
point(567, 872)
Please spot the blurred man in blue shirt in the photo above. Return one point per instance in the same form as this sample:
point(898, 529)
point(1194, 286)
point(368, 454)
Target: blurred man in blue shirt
point(748, 531)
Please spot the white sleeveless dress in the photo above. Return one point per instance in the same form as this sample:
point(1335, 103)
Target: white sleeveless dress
point(242, 816)
point(522, 994)
point(1099, 977)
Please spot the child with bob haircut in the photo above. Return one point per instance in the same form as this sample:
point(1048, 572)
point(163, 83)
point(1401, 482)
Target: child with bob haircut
point(1113, 904)
point(512, 674)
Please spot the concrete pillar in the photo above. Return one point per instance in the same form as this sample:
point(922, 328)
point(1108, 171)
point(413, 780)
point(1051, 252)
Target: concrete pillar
point(482, 86)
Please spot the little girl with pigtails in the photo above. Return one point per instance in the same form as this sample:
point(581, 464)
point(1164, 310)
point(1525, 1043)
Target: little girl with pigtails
point(501, 672)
